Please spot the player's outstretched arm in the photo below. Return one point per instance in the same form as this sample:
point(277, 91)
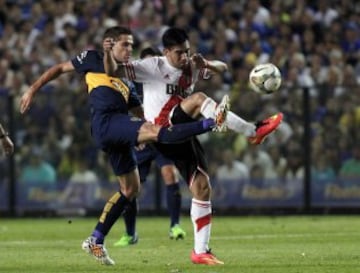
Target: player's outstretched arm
point(110, 65)
point(214, 65)
point(49, 75)
point(5, 141)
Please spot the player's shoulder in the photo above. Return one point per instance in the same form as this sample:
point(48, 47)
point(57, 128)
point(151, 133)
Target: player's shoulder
point(88, 55)
point(150, 61)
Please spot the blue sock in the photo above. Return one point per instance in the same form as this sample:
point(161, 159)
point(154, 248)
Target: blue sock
point(130, 214)
point(181, 132)
point(173, 200)
point(113, 208)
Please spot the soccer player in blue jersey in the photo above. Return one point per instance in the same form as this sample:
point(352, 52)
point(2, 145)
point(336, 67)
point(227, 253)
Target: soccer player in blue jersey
point(113, 130)
point(169, 174)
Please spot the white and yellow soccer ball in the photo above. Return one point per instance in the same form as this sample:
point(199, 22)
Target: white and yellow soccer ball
point(265, 78)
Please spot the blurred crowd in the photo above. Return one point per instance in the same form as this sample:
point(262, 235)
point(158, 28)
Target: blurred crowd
point(316, 45)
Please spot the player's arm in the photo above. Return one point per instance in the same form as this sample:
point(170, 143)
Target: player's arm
point(5, 141)
point(112, 68)
point(214, 65)
point(49, 75)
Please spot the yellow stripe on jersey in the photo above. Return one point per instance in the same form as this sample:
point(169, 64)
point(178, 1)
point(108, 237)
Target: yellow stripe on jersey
point(94, 80)
point(109, 204)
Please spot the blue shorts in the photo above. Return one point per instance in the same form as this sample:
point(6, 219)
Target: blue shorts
point(116, 134)
point(146, 156)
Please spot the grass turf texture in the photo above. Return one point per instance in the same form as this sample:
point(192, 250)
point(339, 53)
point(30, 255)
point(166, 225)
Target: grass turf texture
point(246, 244)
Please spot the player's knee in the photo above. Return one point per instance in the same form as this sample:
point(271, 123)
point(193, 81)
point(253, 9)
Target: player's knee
point(201, 189)
point(199, 97)
point(131, 191)
point(148, 132)
point(169, 175)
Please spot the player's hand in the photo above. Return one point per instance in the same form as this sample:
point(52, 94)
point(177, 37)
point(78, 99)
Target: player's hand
point(199, 60)
point(108, 44)
point(25, 101)
point(8, 145)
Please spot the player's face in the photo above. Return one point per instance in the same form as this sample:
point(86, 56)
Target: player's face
point(123, 48)
point(179, 55)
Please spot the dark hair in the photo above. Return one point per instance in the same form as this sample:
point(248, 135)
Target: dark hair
point(115, 32)
point(174, 36)
point(152, 51)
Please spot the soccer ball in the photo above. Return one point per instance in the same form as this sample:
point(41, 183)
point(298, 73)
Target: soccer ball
point(265, 78)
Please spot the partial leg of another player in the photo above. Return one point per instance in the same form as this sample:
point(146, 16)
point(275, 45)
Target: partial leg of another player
point(173, 200)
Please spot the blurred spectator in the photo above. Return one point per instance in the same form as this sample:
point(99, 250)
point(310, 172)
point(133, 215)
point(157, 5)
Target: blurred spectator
point(279, 161)
point(314, 43)
point(322, 172)
point(232, 169)
point(257, 176)
point(37, 170)
point(256, 156)
point(294, 171)
point(83, 188)
point(351, 167)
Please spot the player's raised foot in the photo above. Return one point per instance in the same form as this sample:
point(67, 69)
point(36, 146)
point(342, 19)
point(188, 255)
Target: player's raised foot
point(126, 240)
point(221, 113)
point(266, 127)
point(205, 258)
point(98, 251)
point(176, 232)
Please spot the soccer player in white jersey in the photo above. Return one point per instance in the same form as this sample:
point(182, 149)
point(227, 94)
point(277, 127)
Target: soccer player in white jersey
point(145, 156)
point(172, 78)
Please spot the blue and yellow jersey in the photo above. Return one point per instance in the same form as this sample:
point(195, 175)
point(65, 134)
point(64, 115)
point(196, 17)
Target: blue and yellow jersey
point(106, 94)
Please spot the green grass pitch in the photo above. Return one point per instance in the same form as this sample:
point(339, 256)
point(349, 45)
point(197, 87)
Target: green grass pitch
point(310, 244)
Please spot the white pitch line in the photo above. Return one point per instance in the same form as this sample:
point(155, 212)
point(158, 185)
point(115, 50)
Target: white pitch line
point(231, 237)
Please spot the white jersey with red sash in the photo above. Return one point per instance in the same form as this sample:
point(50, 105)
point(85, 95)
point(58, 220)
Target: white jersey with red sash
point(164, 86)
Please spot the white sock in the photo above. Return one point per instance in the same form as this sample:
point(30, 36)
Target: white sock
point(201, 219)
point(233, 121)
point(208, 107)
point(237, 124)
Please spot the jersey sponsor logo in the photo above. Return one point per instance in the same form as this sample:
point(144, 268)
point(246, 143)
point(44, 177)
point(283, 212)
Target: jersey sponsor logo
point(82, 56)
point(175, 90)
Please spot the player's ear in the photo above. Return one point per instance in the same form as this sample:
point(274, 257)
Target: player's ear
point(166, 51)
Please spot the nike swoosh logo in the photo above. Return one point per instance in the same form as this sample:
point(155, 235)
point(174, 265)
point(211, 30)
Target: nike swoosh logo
point(259, 69)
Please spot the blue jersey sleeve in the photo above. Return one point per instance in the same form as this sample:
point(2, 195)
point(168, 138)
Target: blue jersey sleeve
point(134, 100)
point(88, 60)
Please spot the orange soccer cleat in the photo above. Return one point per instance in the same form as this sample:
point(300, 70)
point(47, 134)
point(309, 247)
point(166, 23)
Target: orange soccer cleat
point(266, 127)
point(205, 258)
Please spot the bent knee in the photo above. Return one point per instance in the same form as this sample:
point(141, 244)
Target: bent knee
point(148, 132)
point(169, 175)
point(199, 96)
